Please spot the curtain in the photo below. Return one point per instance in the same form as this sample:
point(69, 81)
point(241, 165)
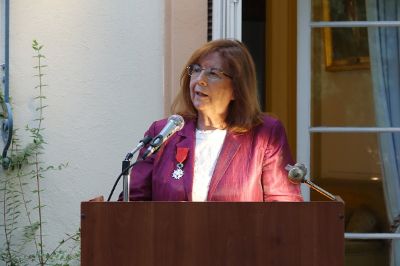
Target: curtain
point(384, 48)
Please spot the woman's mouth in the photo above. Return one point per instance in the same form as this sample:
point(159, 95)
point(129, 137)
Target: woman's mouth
point(199, 93)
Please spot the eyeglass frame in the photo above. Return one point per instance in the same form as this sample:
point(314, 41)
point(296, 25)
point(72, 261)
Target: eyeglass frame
point(207, 72)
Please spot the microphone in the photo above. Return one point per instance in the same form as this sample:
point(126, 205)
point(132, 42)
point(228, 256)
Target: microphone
point(174, 124)
point(297, 175)
point(297, 172)
point(143, 142)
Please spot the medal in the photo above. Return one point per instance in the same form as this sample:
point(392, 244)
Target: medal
point(181, 154)
point(178, 172)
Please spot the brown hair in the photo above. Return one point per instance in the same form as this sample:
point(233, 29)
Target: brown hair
point(244, 112)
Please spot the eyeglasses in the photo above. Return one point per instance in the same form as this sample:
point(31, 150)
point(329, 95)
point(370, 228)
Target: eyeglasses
point(212, 73)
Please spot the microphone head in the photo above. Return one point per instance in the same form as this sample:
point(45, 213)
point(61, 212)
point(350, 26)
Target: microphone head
point(174, 124)
point(297, 172)
point(178, 121)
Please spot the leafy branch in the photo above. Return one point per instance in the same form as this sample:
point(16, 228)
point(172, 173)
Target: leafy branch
point(22, 202)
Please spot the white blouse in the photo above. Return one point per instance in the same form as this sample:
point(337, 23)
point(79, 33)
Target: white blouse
point(208, 147)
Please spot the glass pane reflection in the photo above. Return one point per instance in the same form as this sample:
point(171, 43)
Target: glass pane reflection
point(341, 87)
point(355, 92)
point(352, 165)
point(354, 10)
point(357, 167)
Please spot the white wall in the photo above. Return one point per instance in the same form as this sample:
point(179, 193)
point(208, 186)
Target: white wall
point(105, 77)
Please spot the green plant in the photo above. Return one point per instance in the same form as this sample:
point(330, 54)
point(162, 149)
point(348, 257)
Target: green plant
point(23, 221)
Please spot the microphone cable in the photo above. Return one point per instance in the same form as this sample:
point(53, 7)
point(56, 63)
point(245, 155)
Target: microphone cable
point(119, 177)
point(142, 143)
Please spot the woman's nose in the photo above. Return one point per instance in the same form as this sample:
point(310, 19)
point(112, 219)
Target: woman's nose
point(202, 83)
point(202, 79)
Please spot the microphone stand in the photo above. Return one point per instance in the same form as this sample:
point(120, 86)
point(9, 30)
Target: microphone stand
point(125, 179)
point(126, 165)
point(319, 189)
point(297, 175)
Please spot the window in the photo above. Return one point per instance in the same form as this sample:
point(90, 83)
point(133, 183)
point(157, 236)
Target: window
point(349, 117)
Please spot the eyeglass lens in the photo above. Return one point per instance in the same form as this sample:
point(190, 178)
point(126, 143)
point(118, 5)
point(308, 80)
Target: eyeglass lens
point(210, 73)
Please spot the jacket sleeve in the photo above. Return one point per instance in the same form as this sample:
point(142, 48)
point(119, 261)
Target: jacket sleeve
point(276, 184)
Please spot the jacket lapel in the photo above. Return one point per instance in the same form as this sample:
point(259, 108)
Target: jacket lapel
point(187, 140)
point(229, 149)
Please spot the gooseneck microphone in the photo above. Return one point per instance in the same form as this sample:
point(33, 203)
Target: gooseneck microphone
point(297, 174)
point(174, 124)
point(143, 142)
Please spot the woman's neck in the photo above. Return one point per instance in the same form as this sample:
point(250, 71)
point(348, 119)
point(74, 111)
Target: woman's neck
point(210, 123)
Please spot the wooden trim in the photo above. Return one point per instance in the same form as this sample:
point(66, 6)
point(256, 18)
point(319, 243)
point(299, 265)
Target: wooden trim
point(281, 40)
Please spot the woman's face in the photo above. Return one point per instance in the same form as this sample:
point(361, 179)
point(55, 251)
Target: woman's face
point(211, 91)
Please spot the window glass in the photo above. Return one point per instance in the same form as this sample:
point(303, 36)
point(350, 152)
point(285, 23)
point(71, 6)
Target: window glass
point(350, 165)
point(360, 89)
point(351, 10)
point(341, 92)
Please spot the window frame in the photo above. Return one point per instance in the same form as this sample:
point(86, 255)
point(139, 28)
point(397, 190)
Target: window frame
point(304, 128)
point(227, 19)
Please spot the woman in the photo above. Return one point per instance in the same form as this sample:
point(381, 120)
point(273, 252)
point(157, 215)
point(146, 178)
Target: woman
point(228, 150)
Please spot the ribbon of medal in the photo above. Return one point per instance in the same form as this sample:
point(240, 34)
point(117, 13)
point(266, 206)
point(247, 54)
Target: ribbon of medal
point(181, 154)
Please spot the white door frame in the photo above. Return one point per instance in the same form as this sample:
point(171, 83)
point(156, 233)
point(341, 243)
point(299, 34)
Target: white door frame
point(227, 19)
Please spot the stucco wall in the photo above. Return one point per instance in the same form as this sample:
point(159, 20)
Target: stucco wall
point(113, 68)
point(105, 77)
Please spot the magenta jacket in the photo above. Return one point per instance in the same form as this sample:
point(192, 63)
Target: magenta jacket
point(250, 167)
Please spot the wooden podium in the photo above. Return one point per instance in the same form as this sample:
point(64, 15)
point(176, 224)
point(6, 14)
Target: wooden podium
point(212, 233)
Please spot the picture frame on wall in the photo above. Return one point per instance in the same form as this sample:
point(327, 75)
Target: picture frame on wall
point(346, 48)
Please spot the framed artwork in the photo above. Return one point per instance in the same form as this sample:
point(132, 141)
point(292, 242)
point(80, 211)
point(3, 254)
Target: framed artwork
point(345, 48)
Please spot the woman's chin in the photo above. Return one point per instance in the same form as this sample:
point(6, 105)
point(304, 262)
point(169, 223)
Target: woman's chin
point(200, 105)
